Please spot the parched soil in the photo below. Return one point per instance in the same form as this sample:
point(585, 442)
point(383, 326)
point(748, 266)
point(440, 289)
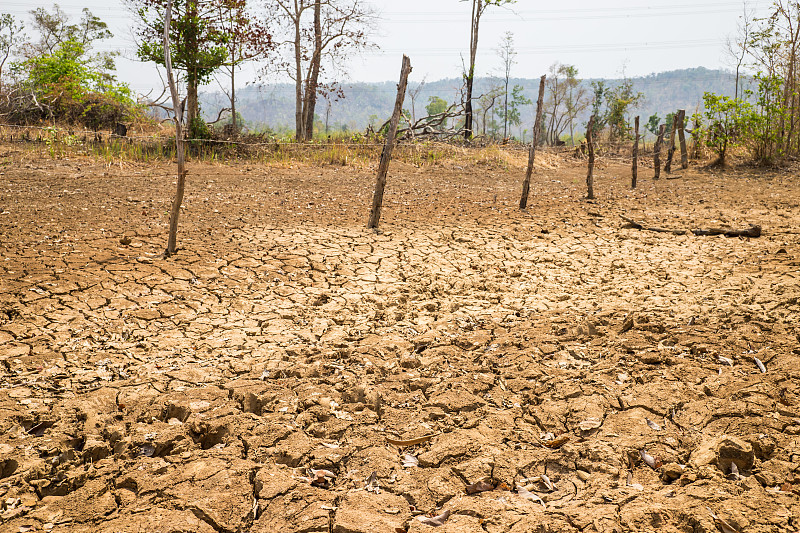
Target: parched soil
point(571, 373)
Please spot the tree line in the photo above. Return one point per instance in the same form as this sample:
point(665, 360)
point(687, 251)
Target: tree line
point(57, 75)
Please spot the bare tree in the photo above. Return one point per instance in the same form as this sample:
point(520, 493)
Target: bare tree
point(736, 46)
point(248, 39)
point(486, 104)
point(566, 99)
point(339, 27)
point(507, 55)
point(413, 94)
point(478, 9)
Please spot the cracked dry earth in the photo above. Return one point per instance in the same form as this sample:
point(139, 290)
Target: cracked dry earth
point(470, 365)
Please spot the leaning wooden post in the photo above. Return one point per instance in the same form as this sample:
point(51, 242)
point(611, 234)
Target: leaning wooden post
point(537, 126)
point(681, 118)
point(671, 150)
point(179, 149)
point(657, 151)
point(386, 155)
point(590, 173)
point(635, 167)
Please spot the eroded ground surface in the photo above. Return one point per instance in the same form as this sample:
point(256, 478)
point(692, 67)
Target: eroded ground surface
point(250, 383)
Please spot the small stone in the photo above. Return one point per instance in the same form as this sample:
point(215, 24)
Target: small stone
point(722, 452)
point(670, 472)
point(95, 450)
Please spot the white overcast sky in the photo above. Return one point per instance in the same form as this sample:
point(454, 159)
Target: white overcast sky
point(600, 37)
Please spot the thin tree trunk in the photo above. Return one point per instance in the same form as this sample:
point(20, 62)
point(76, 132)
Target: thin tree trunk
point(192, 78)
point(671, 149)
point(477, 8)
point(635, 167)
point(505, 112)
point(681, 118)
point(657, 151)
point(590, 172)
point(299, 134)
point(179, 148)
point(526, 185)
point(313, 81)
point(386, 155)
point(233, 99)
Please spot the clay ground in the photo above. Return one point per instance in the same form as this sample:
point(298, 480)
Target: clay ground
point(250, 383)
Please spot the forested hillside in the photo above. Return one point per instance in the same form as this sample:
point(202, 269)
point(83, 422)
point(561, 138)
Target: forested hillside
point(273, 105)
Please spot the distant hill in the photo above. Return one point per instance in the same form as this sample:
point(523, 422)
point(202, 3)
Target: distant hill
point(365, 103)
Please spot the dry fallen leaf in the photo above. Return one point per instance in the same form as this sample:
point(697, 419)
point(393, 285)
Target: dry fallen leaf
point(557, 442)
point(723, 526)
point(410, 442)
point(409, 461)
point(652, 424)
point(649, 460)
point(528, 495)
point(629, 483)
point(547, 483)
point(435, 521)
point(480, 486)
point(372, 485)
point(590, 424)
point(760, 365)
point(725, 360)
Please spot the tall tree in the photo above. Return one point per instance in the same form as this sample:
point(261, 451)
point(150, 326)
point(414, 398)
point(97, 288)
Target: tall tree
point(54, 28)
point(478, 9)
point(578, 98)
point(338, 28)
point(566, 99)
point(248, 39)
point(508, 55)
point(511, 110)
point(197, 40)
point(10, 33)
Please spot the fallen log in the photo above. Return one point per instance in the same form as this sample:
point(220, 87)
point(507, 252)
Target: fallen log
point(637, 225)
point(753, 231)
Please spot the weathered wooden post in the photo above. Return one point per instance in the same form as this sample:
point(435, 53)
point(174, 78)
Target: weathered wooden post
point(635, 167)
point(386, 155)
point(657, 151)
point(179, 148)
point(537, 126)
point(681, 118)
point(590, 146)
point(671, 150)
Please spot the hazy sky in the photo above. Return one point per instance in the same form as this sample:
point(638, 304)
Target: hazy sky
point(600, 37)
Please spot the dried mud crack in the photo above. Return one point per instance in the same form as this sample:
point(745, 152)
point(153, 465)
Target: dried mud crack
point(568, 372)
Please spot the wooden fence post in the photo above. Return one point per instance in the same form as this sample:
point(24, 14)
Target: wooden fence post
point(386, 155)
point(681, 118)
point(657, 151)
point(537, 126)
point(635, 167)
point(590, 146)
point(671, 150)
